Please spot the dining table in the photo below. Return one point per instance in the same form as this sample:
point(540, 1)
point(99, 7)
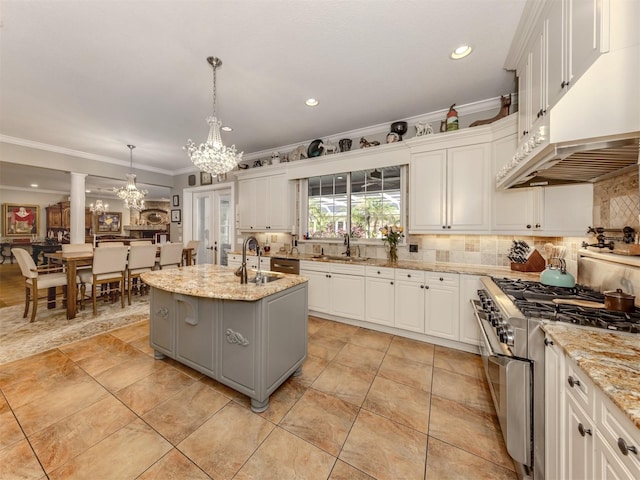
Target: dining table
point(73, 260)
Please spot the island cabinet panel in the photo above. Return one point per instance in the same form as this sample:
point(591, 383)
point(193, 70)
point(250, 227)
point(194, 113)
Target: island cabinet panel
point(239, 344)
point(250, 346)
point(194, 322)
point(162, 322)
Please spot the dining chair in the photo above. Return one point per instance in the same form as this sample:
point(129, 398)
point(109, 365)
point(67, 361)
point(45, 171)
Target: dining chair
point(170, 255)
point(140, 242)
point(37, 278)
point(193, 244)
point(142, 258)
point(109, 269)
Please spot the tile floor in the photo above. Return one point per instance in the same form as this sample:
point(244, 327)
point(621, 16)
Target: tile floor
point(368, 405)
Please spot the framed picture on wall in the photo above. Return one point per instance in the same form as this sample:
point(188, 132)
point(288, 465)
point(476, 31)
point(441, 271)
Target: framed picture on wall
point(205, 178)
point(20, 220)
point(175, 201)
point(176, 216)
point(109, 222)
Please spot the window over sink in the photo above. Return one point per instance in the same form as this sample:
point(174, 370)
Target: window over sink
point(359, 202)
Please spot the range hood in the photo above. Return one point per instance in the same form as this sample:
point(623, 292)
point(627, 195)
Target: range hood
point(591, 132)
point(562, 164)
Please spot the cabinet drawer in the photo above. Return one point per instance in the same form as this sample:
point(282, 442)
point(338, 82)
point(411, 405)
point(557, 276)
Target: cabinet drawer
point(619, 433)
point(409, 275)
point(234, 258)
point(449, 279)
point(379, 272)
point(347, 269)
point(580, 387)
point(315, 266)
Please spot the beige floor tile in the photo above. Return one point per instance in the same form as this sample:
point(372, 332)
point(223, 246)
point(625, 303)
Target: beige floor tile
point(446, 462)
point(344, 471)
point(142, 344)
point(458, 362)
point(284, 456)
point(325, 346)
point(126, 453)
point(342, 330)
point(314, 325)
point(36, 366)
point(154, 389)
point(174, 465)
point(470, 391)
point(408, 372)
point(132, 332)
point(346, 383)
point(225, 441)
point(311, 369)
point(468, 428)
point(65, 400)
point(371, 339)
point(403, 404)
point(126, 373)
point(321, 419)
point(183, 368)
point(10, 431)
point(19, 461)
point(105, 345)
point(363, 358)
point(221, 388)
point(182, 414)
point(384, 449)
point(281, 401)
point(68, 438)
point(411, 349)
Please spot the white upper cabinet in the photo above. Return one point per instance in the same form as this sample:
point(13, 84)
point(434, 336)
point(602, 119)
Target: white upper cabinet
point(265, 203)
point(449, 190)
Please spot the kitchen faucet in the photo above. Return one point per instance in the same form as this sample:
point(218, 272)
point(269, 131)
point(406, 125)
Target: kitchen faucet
point(242, 270)
point(347, 242)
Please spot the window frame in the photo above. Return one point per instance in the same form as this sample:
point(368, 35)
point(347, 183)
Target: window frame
point(304, 207)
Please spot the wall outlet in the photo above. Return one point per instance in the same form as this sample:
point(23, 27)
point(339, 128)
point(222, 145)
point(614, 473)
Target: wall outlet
point(413, 248)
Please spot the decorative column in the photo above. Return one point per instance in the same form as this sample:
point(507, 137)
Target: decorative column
point(77, 207)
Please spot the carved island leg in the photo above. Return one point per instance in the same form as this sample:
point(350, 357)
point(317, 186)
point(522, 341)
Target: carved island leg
point(259, 407)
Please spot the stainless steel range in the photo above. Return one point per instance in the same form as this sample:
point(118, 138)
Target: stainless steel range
point(510, 313)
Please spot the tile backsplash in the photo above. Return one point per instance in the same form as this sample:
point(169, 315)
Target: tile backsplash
point(616, 201)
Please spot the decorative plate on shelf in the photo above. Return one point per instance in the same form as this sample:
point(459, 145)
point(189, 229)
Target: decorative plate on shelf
point(314, 149)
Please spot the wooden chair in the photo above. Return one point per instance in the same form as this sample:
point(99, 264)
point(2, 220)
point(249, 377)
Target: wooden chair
point(170, 255)
point(38, 278)
point(110, 244)
point(142, 258)
point(140, 242)
point(109, 268)
point(193, 244)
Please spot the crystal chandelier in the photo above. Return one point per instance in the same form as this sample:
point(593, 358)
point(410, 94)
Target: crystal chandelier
point(212, 156)
point(99, 208)
point(132, 197)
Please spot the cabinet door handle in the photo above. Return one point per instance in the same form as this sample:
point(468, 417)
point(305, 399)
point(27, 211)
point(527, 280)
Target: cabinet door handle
point(444, 226)
point(441, 279)
point(537, 225)
point(624, 448)
point(391, 283)
point(426, 287)
point(548, 342)
point(564, 84)
point(421, 286)
point(573, 382)
point(408, 275)
point(529, 226)
point(583, 431)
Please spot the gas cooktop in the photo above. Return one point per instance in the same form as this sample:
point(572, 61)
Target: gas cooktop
point(536, 300)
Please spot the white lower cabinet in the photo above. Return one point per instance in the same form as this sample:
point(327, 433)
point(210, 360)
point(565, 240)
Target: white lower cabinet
point(469, 329)
point(427, 302)
point(336, 289)
point(586, 435)
point(380, 295)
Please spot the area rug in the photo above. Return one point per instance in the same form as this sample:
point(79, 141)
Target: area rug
point(20, 338)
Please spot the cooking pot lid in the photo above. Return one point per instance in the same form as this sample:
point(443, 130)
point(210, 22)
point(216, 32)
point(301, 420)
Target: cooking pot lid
point(618, 293)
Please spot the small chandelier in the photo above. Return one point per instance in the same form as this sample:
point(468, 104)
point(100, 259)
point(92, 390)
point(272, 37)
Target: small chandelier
point(99, 208)
point(132, 197)
point(212, 156)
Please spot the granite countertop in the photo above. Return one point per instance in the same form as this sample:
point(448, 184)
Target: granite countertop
point(214, 281)
point(468, 269)
point(611, 360)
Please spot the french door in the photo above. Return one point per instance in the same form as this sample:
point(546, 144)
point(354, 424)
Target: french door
point(212, 224)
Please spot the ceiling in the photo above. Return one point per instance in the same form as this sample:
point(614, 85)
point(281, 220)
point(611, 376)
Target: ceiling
point(94, 76)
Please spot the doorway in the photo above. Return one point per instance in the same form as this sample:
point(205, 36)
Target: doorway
point(211, 225)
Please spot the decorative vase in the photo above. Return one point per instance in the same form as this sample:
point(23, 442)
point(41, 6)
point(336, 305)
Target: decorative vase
point(392, 253)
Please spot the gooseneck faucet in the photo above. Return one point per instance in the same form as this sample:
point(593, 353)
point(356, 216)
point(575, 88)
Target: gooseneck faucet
point(242, 271)
point(347, 242)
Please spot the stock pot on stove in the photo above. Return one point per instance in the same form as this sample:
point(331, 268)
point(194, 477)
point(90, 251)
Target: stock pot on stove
point(619, 301)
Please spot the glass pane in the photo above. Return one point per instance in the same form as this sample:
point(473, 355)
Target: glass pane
point(327, 206)
point(375, 201)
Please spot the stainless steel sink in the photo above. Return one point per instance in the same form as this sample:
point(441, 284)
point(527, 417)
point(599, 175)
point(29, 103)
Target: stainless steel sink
point(266, 279)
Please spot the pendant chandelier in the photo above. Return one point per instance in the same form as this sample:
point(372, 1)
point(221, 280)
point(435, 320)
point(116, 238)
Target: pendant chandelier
point(132, 197)
point(212, 156)
point(99, 208)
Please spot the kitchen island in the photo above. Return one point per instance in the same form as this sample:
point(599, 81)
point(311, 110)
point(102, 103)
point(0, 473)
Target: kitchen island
point(250, 337)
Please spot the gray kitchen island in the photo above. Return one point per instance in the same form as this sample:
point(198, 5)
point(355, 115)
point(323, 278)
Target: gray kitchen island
point(250, 337)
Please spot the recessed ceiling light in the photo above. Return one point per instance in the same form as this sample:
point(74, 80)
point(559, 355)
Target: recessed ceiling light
point(87, 191)
point(461, 52)
point(226, 129)
point(311, 102)
point(34, 185)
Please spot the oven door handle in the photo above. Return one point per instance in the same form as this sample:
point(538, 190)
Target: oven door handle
point(475, 304)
